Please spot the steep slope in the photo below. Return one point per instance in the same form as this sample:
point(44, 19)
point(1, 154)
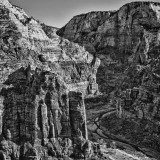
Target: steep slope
point(127, 42)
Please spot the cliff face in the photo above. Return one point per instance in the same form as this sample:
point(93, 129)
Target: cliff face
point(121, 30)
point(127, 42)
point(126, 36)
point(43, 81)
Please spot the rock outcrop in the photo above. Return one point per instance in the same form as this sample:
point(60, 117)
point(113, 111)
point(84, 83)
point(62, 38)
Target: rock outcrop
point(127, 42)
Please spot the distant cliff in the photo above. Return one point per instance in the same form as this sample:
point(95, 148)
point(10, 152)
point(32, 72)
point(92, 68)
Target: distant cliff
point(119, 30)
point(127, 36)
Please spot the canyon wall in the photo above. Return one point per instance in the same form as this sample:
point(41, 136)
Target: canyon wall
point(43, 81)
point(127, 42)
point(128, 36)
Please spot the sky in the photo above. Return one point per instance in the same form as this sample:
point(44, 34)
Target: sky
point(57, 13)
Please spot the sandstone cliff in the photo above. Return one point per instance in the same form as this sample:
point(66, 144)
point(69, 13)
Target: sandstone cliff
point(127, 42)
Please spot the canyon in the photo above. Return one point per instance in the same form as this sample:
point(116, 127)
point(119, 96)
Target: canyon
point(89, 90)
point(127, 43)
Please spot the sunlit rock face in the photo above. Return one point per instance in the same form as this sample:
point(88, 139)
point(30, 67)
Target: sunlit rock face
point(128, 43)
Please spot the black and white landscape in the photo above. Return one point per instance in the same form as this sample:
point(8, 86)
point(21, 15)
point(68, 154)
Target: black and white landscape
point(87, 91)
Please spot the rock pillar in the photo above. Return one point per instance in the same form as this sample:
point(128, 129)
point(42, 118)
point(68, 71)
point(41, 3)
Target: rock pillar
point(77, 115)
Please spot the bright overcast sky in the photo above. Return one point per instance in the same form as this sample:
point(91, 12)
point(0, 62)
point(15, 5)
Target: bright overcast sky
point(58, 12)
